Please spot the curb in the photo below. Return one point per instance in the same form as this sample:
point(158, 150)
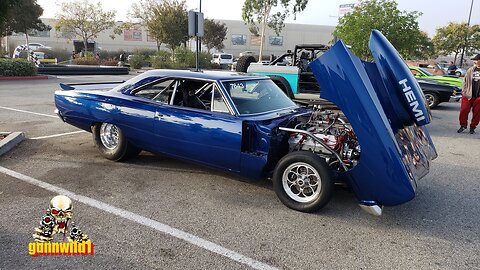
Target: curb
point(10, 141)
point(21, 78)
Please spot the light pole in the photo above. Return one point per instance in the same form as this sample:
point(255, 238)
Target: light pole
point(466, 36)
point(199, 44)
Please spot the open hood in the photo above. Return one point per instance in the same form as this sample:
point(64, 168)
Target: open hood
point(386, 108)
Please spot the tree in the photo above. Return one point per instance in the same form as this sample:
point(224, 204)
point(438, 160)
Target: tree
point(215, 34)
point(400, 27)
point(142, 13)
point(425, 48)
point(451, 39)
point(24, 16)
point(170, 24)
point(84, 20)
point(166, 21)
point(5, 7)
point(258, 14)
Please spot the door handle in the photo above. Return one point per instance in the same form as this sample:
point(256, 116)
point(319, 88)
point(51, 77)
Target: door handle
point(160, 115)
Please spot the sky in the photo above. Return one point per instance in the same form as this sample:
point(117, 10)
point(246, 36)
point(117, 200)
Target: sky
point(436, 13)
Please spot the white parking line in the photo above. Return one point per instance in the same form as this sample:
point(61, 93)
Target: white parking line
point(23, 111)
point(190, 238)
point(57, 135)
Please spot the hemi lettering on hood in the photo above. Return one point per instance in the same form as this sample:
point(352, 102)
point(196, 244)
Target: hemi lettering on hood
point(412, 100)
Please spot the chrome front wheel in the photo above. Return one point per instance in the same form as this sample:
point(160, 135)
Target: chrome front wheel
point(301, 182)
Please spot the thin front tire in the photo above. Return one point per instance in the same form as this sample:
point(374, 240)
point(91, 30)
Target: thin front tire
point(302, 181)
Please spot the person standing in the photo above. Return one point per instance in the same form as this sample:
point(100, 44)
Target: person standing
point(122, 59)
point(451, 69)
point(470, 97)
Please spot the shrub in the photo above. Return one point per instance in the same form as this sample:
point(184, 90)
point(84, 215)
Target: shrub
point(187, 58)
point(62, 55)
point(16, 67)
point(137, 61)
point(184, 59)
point(146, 53)
point(85, 61)
point(109, 62)
point(162, 59)
point(113, 55)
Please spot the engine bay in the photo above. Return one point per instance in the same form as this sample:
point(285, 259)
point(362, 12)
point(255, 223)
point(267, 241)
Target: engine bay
point(328, 134)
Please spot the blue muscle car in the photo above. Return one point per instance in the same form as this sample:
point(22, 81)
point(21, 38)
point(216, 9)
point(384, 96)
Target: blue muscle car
point(377, 144)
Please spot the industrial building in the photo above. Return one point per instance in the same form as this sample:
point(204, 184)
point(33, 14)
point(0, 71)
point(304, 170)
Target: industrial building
point(238, 38)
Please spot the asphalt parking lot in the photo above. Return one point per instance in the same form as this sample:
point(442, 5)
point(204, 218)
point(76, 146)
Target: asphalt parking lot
point(154, 212)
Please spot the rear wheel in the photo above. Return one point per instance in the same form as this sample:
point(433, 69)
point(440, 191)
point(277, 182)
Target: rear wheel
point(302, 181)
point(112, 143)
point(432, 100)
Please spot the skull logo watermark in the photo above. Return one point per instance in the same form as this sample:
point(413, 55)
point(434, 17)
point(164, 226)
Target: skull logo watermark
point(57, 220)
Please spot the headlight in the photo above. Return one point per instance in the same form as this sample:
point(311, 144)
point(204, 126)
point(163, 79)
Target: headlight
point(457, 90)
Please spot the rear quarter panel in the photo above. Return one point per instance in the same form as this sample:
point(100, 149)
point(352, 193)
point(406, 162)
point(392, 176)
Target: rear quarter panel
point(83, 109)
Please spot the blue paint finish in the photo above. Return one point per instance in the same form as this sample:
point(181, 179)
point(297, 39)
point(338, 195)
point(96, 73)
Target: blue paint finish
point(201, 136)
point(135, 118)
point(292, 79)
point(394, 156)
point(396, 146)
point(392, 69)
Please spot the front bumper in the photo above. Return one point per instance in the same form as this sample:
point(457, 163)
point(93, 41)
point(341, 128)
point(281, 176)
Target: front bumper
point(455, 98)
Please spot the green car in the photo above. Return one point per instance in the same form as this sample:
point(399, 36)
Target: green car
point(419, 72)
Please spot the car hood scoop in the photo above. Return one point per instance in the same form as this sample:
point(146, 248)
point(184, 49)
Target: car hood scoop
point(385, 106)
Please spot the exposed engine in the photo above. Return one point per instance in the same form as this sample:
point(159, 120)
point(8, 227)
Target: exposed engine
point(334, 139)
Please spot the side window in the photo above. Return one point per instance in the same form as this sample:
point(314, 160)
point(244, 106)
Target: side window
point(218, 103)
point(193, 94)
point(159, 91)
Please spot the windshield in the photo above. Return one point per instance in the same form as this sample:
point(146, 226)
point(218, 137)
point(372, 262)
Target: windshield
point(257, 96)
point(426, 72)
point(226, 56)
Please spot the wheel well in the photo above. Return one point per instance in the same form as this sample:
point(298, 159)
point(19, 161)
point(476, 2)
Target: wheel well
point(431, 92)
point(93, 124)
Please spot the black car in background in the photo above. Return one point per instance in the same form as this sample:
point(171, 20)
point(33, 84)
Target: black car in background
point(436, 93)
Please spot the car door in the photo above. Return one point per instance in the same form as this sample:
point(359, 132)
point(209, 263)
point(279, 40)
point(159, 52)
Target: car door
point(210, 135)
point(136, 115)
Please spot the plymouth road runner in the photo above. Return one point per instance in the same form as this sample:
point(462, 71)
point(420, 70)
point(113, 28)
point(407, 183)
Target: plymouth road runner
point(377, 144)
